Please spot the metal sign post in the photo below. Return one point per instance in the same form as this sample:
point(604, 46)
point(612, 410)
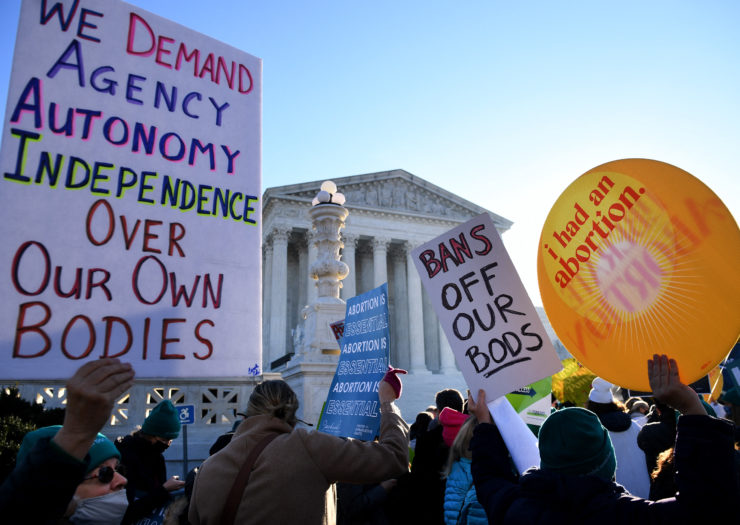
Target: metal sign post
point(186, 413)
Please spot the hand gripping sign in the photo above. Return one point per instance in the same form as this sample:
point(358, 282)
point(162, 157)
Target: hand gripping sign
point(638, 257)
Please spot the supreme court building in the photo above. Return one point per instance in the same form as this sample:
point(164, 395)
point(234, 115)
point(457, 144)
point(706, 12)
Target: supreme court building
point(390, 213)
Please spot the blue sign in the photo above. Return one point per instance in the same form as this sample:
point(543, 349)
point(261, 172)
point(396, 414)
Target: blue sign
point(352, 407)
point(186, 413)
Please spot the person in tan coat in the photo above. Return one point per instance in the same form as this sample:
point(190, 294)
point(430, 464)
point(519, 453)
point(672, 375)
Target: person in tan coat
point(293, 478)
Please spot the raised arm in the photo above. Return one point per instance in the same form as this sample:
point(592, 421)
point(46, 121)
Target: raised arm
point(666, 385)
point(91, 392)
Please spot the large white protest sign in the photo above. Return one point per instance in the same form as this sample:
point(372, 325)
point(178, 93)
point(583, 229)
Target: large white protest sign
point(129, 195)
point(495, 333)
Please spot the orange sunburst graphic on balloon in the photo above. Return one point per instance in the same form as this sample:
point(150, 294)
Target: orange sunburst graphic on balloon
point(629, 266)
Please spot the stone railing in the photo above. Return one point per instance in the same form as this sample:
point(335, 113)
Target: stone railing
point(216, 403)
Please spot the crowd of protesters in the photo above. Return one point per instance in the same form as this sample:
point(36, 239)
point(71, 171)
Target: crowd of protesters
point(668, 458)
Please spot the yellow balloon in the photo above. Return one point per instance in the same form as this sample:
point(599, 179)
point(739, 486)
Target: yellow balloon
point(639, 257)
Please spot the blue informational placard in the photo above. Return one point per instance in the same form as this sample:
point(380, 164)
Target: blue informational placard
point(352, 407)
point(186, 413)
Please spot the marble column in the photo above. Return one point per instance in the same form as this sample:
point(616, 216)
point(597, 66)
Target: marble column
point(278, 293)
point(349, 285)
point(364, 267)
point(266, 303)
point(299, 242)
point(380, 261)
point(312, 291)
point(416, 316)
point(398, 307)
point(446, 357)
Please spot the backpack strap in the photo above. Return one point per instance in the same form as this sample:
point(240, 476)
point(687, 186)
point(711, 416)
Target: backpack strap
point(240, 483)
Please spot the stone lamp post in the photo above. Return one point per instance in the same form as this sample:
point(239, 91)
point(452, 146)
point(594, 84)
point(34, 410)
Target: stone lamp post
point(310, 371)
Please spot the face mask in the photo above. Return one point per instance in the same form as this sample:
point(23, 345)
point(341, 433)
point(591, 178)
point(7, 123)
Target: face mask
point(160, 447)
point(101, 510)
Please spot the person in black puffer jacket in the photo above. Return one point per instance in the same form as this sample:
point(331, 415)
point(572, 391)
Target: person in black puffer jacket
point(148, 488)
point(574, 483)
point(419, 496)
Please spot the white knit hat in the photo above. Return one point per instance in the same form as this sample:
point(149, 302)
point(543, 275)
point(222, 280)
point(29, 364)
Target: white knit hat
point(600, 391)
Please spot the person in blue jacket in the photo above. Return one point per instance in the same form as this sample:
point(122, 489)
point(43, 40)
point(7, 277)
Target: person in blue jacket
point(461, 505)
point(575, 481)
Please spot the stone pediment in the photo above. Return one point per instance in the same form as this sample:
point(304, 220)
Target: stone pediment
point(391, 191)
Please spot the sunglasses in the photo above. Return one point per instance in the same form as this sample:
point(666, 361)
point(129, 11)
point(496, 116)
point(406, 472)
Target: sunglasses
point(105, 474)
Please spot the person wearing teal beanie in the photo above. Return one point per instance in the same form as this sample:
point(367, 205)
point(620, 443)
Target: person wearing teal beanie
point(573, 441)
point(100, 497)
point(575, 481)
point(163, 421)
point(101, 449)
point(66, 461)
point(142, 452)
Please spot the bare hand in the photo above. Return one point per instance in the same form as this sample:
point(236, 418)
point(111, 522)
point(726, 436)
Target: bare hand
point(173, 484)
point(479, 409)
point(91, 392)
point(667, 387)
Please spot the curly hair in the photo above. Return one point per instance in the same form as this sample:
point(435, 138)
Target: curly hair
point(274, 398)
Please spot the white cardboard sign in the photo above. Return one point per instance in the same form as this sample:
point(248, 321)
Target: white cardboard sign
point(495, 333)
point(129, 196)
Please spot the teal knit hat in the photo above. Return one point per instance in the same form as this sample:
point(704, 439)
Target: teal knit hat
point(101, 449)
point(30, 440)
point(573, 441)
point(163, 421)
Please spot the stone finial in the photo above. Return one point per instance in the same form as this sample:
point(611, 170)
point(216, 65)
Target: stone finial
point(327, 216)
point(328, 195)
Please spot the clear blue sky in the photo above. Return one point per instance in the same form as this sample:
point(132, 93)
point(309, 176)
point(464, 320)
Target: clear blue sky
point(503, 103)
